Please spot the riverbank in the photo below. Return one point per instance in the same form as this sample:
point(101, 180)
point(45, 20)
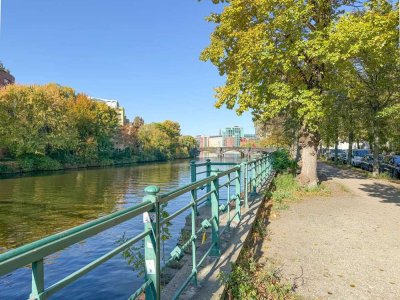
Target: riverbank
point(11, 168)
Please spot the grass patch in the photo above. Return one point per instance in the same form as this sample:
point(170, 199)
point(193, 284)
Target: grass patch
point(384, 176)
point(251, 280)
point(287, 190)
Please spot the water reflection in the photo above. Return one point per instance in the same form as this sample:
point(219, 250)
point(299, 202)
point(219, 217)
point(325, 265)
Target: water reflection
point(34, 207)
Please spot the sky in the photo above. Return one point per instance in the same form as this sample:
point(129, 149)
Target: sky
point(145, 54)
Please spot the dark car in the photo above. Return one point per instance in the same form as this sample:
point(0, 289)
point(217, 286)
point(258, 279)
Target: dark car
point(342, 157)
point(367, 162)
point(391, 165)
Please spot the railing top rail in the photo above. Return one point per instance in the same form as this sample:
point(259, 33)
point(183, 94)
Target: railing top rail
point(202, 164)
point(43, 247)
point(192, 186)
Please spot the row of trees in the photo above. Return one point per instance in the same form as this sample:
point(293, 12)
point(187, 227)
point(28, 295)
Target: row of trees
point(55, 126)
point(320, 69)
point(156, 141)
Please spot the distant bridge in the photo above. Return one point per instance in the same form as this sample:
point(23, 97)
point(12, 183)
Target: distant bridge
point(244, 151)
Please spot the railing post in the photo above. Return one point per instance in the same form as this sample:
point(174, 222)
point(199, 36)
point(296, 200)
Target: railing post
point(208, 173)
point(151, 221)
point(215, 251)
point(37, 280)
point(254, 179)
point(258, 173)
point(193, 176)
point(269, 157)
point(245, 184)
point(229, 201)
point(264, 168)
point(194, 262)
point(237, 191)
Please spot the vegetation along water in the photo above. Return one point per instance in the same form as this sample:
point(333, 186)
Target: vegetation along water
point(52, 127)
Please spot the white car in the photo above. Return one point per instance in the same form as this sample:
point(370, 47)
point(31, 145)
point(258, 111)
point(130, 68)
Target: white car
point(357, 156)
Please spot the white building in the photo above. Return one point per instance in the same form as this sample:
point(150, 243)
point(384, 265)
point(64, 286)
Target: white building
point(114, 104)
point(216, 141)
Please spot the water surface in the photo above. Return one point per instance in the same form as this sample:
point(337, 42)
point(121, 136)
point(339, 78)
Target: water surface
point(37, 206)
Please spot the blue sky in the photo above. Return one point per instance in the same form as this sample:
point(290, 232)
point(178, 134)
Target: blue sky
point(145, 54)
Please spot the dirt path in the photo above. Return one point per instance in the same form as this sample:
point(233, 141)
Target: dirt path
point(346, 246)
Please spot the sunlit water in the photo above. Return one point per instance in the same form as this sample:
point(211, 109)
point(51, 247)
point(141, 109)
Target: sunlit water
point(36, 206)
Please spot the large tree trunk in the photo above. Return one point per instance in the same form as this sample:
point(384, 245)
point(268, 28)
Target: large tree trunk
point(349, 154)
point(309, 146)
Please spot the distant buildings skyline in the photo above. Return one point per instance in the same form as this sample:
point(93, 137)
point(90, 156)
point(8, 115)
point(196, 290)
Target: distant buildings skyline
point(228, 137)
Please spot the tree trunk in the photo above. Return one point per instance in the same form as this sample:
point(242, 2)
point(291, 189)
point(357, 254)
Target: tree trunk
point(349, 154)
point(375, 171)
point(336, 150)
point(294, 149)
point(309, 146)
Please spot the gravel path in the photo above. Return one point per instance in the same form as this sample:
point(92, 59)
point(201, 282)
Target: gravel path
point(345, 246)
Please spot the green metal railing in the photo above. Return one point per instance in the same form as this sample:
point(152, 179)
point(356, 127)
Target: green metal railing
point(245, 178)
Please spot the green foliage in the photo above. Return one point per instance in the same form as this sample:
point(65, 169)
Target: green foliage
point(48, 127)
point(281, 161)
point(249, 280)
point(329, 71)
point(133, 256)
point(39, 163)
point(365, 85)
point(285, 188)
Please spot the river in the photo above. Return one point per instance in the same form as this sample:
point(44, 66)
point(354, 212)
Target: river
point(33, 207)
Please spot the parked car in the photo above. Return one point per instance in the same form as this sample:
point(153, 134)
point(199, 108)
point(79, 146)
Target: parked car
point(342, 157)
point(330, 155)
point(357, 155)
point(391, 165)
point(367, 162)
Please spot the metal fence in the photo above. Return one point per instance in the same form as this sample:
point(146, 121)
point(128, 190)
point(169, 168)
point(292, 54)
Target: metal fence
point(205, 189)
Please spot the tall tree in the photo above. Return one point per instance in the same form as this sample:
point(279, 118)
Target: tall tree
point(34, 121)
point(365, 52)
point(269, 52)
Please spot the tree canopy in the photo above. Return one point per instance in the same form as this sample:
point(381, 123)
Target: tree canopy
point(280, 59)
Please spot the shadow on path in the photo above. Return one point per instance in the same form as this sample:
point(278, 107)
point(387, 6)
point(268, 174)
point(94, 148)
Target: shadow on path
point(384, 192)
point(327, 172)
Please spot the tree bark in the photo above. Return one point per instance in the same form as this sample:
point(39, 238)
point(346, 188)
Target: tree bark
point(336, 149)
point(309, 146)
point(349, 154)
point(375, 164)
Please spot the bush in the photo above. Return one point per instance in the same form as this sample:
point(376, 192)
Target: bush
point(39, 163)
point(281, 161)
point(46, 163)
point(7, 168)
